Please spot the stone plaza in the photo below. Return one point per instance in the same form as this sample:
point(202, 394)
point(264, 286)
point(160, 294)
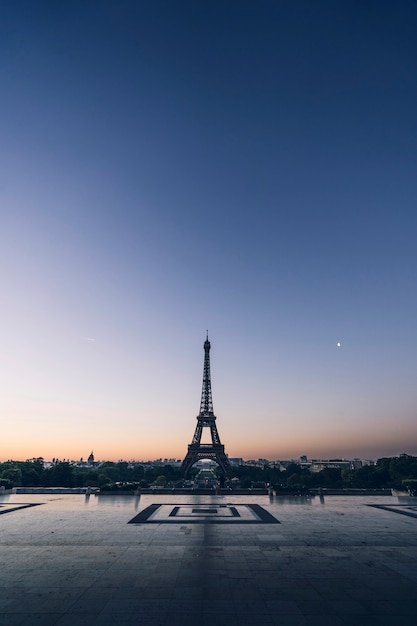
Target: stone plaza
point(232, 560)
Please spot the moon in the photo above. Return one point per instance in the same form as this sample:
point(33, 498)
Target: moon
point(338, 344)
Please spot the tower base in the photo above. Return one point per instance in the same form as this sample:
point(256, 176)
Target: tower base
point(199, 451)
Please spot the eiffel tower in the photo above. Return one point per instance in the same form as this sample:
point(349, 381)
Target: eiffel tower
point(206, 419)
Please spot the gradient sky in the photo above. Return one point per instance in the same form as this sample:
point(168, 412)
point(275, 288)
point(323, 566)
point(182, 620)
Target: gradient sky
point(243, 167)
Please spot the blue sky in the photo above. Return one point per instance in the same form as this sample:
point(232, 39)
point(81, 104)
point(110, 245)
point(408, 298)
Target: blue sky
point(246, 168)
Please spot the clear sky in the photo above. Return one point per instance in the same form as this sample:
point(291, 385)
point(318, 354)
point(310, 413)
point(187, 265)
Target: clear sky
point(243, 167)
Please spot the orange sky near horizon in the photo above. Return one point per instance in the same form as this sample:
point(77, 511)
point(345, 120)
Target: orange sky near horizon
point(73, 446)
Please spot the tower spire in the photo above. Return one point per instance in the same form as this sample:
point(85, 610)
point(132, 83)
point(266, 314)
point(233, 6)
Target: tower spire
point(206, 419)
point(206, 404)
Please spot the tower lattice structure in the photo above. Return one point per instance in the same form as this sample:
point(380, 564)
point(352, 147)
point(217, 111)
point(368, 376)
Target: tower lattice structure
point(206, 419)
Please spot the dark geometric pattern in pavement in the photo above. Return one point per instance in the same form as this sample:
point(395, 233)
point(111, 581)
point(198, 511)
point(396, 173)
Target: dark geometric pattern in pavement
point(204, 514)
point(401, 509)
point(16, 506)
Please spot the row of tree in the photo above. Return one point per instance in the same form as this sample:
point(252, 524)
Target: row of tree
point(33, 473)
point(387, 472)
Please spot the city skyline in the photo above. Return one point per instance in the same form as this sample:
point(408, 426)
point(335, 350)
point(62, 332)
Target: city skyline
point(168, 168)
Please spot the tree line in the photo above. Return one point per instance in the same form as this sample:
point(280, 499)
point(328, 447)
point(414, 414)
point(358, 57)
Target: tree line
point(388, 472)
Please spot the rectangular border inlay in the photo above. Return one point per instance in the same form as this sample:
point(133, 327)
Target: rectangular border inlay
point(17, 506)
point(168, 513)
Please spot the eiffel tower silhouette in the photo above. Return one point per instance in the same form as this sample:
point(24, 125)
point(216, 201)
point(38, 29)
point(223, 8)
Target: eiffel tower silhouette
point(206, 419)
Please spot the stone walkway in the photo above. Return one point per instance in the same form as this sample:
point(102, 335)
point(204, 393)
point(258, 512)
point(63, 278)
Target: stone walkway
point(75, 560)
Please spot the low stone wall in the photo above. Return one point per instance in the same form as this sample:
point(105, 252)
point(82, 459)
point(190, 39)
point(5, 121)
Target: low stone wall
point(188, 492)
point(56, 490)
point(351, 492)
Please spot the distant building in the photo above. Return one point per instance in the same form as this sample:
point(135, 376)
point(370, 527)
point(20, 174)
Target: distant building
point(318, 465)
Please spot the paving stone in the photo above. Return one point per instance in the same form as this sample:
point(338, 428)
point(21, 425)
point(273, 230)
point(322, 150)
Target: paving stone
point(72, 560)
